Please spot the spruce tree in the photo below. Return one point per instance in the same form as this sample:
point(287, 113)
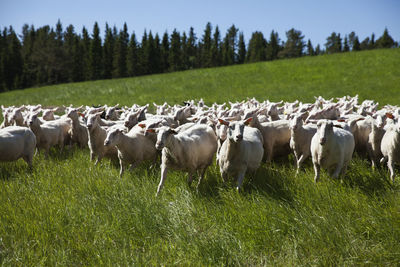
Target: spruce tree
point(317, 50)
point(294, 44)
point(273, 47)
point(165, 53)
point(242, 49)
point(356, 44)
point(192, 49)
point(132, 59)
point(310, 49)
point(143, 56)
point(206, 46)
point(257, 48)
point(69, 43)
point(346, 47)
point(229, 46)
point(185, 55)
point(385, 41)
point(175, 58)
point(157, 54)
point(108, 53)
point(120, 53)
point(95, 54)
point(85, 54)
point(216, 48)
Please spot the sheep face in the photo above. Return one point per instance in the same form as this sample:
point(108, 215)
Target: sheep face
point(324, 130)
point(296, 122)
point(92, 120)
point(17, 115)
point(182, 113)
point(112, 137)
point(33, 120)
point(235, 129)
point(163, 136)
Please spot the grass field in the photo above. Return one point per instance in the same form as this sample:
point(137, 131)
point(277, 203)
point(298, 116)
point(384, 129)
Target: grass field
point(68, 212)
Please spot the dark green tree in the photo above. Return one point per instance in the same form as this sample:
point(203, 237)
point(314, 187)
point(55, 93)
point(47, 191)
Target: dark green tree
point(95, 54)
point(85, 45)
point(108, 53)
point(273, 46)
point(346, 47)
point(242, 49)
point(132, 59)
point(229, 46)
point(333, 43)
point(216, 56)
point(257, 48)
point(206, 47)
point(385, 41)
point(165, 53)
point(365, 44)
point(120, 53)
point(175, 57)
point(294, 44)
point(192, 49)
point(310, 49)
point(356, 45)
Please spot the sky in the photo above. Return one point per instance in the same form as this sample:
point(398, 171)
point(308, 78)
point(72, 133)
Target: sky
point(315, 19)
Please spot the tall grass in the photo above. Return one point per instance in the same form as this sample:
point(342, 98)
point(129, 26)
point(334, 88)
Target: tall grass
point(69, 212)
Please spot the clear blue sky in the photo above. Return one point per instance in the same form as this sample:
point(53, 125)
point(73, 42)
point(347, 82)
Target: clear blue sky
point(316, 19)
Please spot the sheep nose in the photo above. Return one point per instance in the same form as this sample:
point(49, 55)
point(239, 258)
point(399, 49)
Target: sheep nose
point(159, 145)
point(239, 137)
point(322, 141)
point(106, 142)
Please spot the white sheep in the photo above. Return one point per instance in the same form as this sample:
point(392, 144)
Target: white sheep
point(97, 135)
point(331, 148)
point(133, 147)
point(78, 132)
point(47, 134)
point(300, 140)
point(390, 147)
point(241, 151)
point(191, 150)
point(17, 142)
point(7, 116)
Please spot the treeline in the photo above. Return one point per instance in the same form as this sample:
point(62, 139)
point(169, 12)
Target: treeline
point(50, 56)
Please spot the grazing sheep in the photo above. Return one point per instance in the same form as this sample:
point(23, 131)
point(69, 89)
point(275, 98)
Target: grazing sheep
point(300, 141)
point(390, 147)
point(191, 150)
point(17, 142)
point(241, 151)
point(374, 142)
point(133, 148)
point(6, 115)
point(47, 135)
point(97, 135)
point(78, 132)
point(331, 148)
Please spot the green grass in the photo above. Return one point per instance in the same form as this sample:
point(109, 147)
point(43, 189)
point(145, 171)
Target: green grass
point(69, 212)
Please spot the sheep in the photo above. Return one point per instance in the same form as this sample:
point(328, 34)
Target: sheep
point(300, 140)
point(97, 135)
point(276, 135)
point(191, 150)
point(78, 132)
point(133, 148)
point(241, 151)
point(331, 148)
point(47, 135)
point(390, 147)
point(7, 116)
point(17, 142)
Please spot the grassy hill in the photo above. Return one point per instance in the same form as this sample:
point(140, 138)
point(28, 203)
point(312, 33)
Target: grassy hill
point(69, 212)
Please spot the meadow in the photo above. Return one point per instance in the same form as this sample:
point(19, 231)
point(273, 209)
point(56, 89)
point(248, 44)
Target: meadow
point(69, 212)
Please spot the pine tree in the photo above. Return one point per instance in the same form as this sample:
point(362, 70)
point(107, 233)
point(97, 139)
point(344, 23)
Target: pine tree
point(346, 47)
point(157, 55)
point(12, 68)
point(28, 69)
point(108, 53)
point(144, 67)
point(216, 49)
point(372, 42)
point(206, 46)
point(333, 43)
point(69, 43)
point(310, 49)
point(365, 44)
point(78, 60)
point(185, 55)
point(132, 59)
point(165, 53)
point(317, 50)
point(385, 41)
point(192, 49)
point(85, 54)
point(257, 48)
point(175, 58)
point(229, 46)
point(120, 53)
point(242, 49)
point(273, 47)
point(356, 44)
point(95, 54)
point(352, 38)
point(294, 44)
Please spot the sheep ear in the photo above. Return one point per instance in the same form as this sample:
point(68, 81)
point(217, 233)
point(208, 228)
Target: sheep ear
point(246, 122)
point(223, 122)
point(142, 125)
point(151, 130)
point(389, 115)
point(173, 131)
point(81, 114)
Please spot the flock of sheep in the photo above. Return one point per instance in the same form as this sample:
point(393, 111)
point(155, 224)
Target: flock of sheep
point(189, 135)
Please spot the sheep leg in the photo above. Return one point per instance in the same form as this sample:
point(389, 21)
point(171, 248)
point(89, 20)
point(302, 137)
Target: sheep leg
point(390, 165)
point(337, 170)
point(162, 180)
point(98, 160)
point(240, 180)
point(299, 162)
point(317, 170)
point(122, 168)
point(224, 176)
point(190, 179)
point(202, 172)
point(91, 156)
point(268, 154)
